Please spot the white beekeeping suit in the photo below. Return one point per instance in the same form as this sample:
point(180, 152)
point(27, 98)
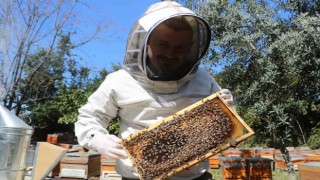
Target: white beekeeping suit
point(139, 98)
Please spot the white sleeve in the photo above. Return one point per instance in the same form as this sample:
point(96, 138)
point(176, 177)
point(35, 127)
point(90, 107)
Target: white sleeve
point(95, 116)
point(215, 86)
point(208, 78)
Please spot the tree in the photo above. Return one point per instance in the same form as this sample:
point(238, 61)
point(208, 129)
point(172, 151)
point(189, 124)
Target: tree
point(29, 27)
point(59, 113)
point(269, 54)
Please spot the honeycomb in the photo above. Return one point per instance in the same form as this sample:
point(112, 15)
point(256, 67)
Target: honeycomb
point(181, 140)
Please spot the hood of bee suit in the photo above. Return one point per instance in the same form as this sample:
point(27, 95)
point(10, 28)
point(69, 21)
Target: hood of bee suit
point(135, 60)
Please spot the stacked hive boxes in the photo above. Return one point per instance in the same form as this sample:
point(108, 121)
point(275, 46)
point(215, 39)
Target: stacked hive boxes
point(214, 162)
point(233, 167)
point(309, 171)
point(258, 168)
point(107, 171)
point(252, 168)
point(295, 157)
point(80, 165)
point(311, 156)
point(60, 138)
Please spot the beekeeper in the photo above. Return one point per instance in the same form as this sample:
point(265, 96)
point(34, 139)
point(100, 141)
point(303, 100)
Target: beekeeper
point(160, 76)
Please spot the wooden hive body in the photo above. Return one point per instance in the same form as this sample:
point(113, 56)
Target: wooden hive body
point(80, 165)
point(258, 167)
point(309, 171)
point(233, 167)
point(186, 138)
point(214, 162)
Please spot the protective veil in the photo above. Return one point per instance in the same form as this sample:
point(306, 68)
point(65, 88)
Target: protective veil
point(136, 59)
point(140, 101)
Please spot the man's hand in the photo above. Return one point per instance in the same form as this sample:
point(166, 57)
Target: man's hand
point(108, 145)
point(226, 94)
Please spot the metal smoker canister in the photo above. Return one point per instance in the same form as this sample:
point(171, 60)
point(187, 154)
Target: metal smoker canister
point(15, 136)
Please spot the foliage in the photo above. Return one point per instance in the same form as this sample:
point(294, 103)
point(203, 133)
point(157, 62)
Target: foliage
point(40, 78)
point(59, 89)
point(269, 53)
point(314, 139)
point(49, 88)
point(35, 37)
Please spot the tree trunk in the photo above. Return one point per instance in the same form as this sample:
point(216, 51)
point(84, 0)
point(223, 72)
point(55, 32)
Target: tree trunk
point(287, 159)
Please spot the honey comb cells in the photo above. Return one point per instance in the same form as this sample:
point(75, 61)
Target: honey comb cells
point(184, 138)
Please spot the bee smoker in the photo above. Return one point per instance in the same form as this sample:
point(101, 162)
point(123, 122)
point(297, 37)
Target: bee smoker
point(15, 137)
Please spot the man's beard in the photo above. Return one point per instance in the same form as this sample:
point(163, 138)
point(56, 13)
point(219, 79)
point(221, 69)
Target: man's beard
point(167, 73)
point(163, 68)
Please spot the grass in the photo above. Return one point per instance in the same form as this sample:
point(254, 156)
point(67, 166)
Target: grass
point(276, 174)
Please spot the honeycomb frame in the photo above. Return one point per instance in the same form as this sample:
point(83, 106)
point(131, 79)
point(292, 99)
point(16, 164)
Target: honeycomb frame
point(239, 131)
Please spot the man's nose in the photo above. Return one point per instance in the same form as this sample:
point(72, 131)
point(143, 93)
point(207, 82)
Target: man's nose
point(170, 53)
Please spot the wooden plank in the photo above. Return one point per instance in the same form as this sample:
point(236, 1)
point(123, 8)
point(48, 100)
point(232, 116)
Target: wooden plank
point(80, 157)
point(163, 135)
point(46, 158)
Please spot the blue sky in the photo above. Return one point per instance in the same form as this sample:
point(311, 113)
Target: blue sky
point(100, 54)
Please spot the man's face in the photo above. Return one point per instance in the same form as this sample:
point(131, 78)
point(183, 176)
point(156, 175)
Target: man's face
point(167, 49)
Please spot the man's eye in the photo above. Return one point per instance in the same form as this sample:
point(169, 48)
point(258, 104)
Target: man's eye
point(161, 45)
point(180, 49)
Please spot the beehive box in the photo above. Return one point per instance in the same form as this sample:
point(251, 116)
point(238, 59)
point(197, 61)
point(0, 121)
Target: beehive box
point(186, 138)
point(232, 152)
point(233, 167)
point(312, 157)
point(258, 167)
point(55, 138)
point(309, 171)
point(64, 145)
point(79, 148)
point(266, 153)
point(80, 165)
point(214, 162)
point(295, 159)
point(247, 153)
point(302, 149)
point(107, 164)
point(55, 171)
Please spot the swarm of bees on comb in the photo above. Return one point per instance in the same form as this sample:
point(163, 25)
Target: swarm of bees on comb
point(171, 145)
